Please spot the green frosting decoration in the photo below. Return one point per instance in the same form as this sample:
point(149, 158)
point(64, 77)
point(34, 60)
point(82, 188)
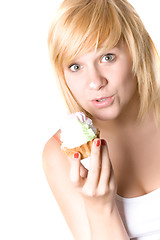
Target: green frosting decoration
point(88, 132)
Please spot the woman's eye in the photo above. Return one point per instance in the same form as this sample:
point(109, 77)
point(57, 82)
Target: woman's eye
point(75, 67)
point(108, 58)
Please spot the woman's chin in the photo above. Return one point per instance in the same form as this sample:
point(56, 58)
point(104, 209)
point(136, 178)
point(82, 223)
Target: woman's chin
point(106, 115)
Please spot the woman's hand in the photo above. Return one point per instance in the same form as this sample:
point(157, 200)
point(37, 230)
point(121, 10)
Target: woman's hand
point(98, 189)
point(98, 184)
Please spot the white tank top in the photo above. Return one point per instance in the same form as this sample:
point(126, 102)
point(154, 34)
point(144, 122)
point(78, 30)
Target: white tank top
point(141, 215)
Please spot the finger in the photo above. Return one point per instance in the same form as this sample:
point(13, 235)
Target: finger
point(75, 169)
point(83, 171)
point(94, 169)
point(106, 170)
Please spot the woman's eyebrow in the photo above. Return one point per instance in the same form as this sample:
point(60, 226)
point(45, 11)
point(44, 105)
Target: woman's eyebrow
point(102, 48)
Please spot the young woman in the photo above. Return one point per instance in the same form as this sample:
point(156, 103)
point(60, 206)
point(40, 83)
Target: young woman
point(108, 67)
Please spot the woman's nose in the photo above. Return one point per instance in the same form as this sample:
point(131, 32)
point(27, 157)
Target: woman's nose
point(96, 79)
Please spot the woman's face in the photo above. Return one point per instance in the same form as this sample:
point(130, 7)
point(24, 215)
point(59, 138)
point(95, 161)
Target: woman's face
point(103, 83)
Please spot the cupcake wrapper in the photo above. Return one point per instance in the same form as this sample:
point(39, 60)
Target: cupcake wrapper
point(84, 150)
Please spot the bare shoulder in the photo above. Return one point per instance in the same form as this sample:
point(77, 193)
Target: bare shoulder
point(57, 167)
point(51, 153)
point(55, 164)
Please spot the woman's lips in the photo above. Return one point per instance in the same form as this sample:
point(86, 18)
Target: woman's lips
point(103, 102)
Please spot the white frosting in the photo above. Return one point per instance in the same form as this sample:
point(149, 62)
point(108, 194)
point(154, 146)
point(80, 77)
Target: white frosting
point(72, 134)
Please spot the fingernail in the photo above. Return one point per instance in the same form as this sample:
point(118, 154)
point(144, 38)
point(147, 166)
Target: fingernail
point(103, 142)
point(97, 142)
point(76, 155)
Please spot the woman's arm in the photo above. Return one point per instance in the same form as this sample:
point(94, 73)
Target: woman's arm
point(86, 198)
point(106, 224)
point(57, 168)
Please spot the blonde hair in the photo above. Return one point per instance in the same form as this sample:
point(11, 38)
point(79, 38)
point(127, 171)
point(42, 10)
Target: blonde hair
point(84, 25)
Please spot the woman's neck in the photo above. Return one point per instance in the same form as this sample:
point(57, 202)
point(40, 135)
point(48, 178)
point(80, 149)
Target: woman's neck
point(125, 127)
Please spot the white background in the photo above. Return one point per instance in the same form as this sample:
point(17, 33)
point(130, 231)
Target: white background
point(29, 105)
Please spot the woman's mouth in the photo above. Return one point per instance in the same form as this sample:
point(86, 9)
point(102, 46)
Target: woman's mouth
point(103, 102)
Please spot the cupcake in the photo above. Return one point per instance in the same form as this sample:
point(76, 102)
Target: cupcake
point(77, 135)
